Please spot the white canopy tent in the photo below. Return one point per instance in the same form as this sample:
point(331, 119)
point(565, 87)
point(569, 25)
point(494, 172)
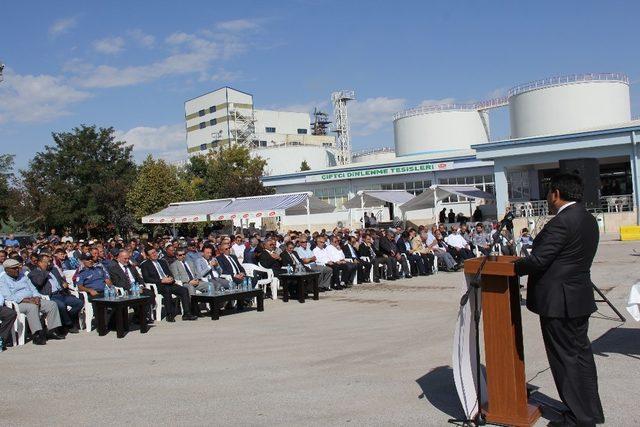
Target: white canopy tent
point(273, 205)
point(429, 198)
point(373, 198)
point(184, 212)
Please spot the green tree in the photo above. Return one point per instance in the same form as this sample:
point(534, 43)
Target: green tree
point(228, 172)
point(6, 168)
point(157, 184)
point(80, 182)
point(304, 166)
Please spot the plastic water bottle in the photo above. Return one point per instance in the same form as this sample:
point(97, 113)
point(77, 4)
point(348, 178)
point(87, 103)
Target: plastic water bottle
point(210, 289)
point(288, 269)
point(247, 286)
point(135, 289)
point(1, 345)
point(231, 285)
point(107, 292)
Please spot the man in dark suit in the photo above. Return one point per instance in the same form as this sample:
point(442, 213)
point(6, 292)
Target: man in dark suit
point(388, 248)
point(230, 264)
point(403, 246)
point(48, 281)
point(376, 258)
point(351, 252)
point(560, 291)
point(123, 275)
point(291, 258)
point(268, 258)
point(157, 271)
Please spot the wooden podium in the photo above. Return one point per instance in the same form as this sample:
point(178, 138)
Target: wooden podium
point(504, 351)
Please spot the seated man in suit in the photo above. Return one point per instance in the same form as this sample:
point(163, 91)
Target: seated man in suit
point(388, 248)
point(123, 274)
point(291, 258)
point(230, 264)
point(184, 275)
point(48, 281)
point(403, 246)
point(16, 287)
point(376, 258)
point(305, 254)
point(418, 247)
point(350, 249)
point(269, 258)
point(7, 318)
point(157, 271)
point(205, 267)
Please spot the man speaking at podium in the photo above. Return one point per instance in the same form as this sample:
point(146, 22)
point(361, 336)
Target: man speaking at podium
point(560, 291)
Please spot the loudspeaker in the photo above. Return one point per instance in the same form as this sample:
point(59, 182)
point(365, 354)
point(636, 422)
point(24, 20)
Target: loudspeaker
point(589, 171)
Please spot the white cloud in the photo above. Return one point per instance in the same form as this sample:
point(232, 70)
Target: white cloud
point(166, 142)
point(237, 25)
point(41, 98)
point(62, 26)
point(373, 114)
point(141, 38)
point(189, 54)
point(109, 45)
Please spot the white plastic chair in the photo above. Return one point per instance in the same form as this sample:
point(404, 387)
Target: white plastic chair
point(157, 313)
point(19, 326)
point(271, 280)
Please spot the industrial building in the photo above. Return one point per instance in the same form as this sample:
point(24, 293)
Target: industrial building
point(578, 123)
point(283, 138)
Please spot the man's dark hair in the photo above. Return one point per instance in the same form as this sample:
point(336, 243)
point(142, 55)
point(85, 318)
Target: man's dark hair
point(568, 185)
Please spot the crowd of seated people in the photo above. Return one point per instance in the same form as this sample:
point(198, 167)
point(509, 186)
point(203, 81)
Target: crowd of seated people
point(35, 278)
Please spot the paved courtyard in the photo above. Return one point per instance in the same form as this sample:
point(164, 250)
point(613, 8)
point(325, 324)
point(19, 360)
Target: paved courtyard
point(372, 355)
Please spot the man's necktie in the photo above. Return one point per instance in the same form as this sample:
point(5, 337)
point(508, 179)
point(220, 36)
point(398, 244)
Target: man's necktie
point(186, 267)
point(160, 271)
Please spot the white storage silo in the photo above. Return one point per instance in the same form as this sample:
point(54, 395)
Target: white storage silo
point(568, 104)
point(439, 128)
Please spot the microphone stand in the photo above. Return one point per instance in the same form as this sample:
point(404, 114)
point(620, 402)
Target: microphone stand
point(479, 419)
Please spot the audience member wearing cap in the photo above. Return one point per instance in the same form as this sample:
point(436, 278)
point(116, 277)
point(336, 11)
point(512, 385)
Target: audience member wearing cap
point(92, 278)
point(169, 253)
point(16, 287)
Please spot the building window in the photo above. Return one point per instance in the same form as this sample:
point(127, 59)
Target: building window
point(484, 183)
point(336, 196)
point(413, 187)
point(203, 125)
point(270, 130)
point(212, 109)
point(212, 122)
point(263, 143)
point(302, 131)
point(201, 113)
point(203, 147)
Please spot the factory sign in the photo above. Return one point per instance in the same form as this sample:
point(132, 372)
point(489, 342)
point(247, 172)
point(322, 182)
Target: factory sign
point(388, 171)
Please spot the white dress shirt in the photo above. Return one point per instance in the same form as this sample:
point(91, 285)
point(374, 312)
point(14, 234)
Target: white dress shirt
point(127, 272)
point(456, 240)
point(563, 207)
point(238, 250)
point(322, 255)
point(335, 254)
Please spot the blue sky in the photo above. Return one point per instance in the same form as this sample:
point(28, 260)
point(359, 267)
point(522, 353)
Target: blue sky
point(131, 65)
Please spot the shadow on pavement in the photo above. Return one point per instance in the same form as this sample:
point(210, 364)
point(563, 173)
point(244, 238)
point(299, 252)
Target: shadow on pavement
point(440, 390)
point(625, 341)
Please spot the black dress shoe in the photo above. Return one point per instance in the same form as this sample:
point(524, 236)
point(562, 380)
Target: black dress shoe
point(376, 280)
point(73, 330)
point(171, 319)
point(337, 287)
point(189, 317)
point(39, 338)
point(53, 335)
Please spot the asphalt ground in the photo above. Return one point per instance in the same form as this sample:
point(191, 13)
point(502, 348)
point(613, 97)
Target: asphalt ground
point(370, 355)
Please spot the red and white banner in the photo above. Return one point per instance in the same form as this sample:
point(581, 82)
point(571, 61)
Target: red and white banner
point(246, 215)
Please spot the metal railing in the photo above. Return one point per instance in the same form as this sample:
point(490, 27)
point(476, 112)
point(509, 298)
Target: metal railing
point(374, 151)
point(561, 80)
point(619, 203)
point(426, 109)
point(536, 208)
